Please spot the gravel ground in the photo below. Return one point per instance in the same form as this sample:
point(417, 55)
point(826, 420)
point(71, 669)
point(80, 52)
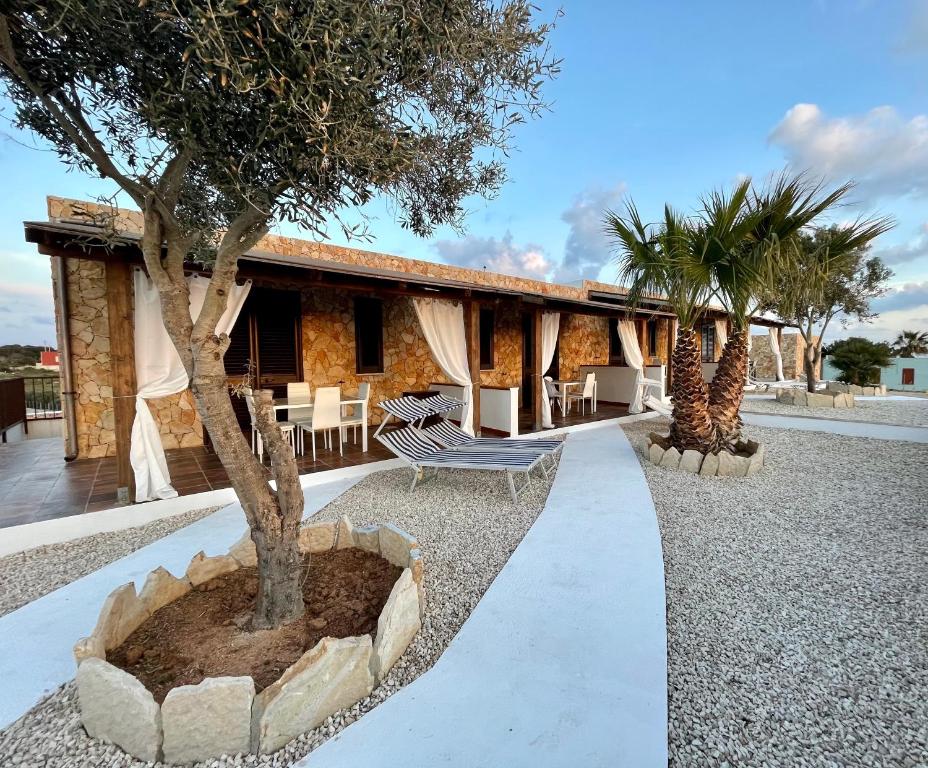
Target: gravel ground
point(908, 413)
point(26, 576)
point(797, 605)
point(467, 528)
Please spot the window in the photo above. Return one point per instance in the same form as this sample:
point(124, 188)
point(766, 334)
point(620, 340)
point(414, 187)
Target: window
point(652, 337)
point(487, 332)
point(708, 342)
point(368, 335)
point(908, 376)
point(616, 357)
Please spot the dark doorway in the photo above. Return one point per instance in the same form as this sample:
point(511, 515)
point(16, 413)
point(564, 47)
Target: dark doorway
point(528, 360)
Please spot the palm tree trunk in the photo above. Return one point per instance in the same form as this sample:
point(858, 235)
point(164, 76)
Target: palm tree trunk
point(726, 391)
point(690, 428)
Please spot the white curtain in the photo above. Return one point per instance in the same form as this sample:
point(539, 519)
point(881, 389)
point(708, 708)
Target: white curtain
point(443, 327)
point(159, 372)
point(721, 334)
point(550, 322)
point(775, 348)
point(634, 359)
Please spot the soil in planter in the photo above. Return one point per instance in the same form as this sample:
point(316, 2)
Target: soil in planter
point(204, 633)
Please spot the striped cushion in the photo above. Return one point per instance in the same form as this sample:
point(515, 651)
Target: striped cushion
point(441, 404)
point(416, 448)
point(406, 408)
point(450, 434)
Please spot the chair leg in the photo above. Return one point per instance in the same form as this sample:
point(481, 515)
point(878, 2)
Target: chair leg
point(512, 487)
point(313, 433)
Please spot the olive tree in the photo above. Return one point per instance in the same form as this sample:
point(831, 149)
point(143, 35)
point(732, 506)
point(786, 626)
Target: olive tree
point(219, 119)
point(827, 274)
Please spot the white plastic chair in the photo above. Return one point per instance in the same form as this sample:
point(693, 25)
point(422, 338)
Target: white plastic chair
point(327, 415)
point(299, 390)
point(257, 443)
point(553, 393)
point(585, 394)
point(356, 419)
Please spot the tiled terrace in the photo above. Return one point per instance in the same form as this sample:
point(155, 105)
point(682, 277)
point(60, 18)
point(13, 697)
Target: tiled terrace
point(36, 483)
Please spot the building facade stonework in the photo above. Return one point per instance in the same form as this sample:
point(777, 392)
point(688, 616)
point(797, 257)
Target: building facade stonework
point(327, 335)
point(792, 350)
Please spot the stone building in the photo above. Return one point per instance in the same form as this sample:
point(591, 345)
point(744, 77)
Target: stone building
point(792, 350)
point(318, 313)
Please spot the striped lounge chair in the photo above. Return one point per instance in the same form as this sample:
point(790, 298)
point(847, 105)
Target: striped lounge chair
point(449, 435)
point(414, 411)
point(420, 453)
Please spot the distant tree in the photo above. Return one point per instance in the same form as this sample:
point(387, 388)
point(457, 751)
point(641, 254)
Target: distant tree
point(218, 119)
point(827, 274)
point(911, 343)
point(858, 359)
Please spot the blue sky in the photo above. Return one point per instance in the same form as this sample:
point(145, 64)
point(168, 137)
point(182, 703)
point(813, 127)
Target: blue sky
point(657, 101)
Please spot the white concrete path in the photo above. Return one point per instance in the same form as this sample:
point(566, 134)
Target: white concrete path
point(848, 428)
point(563, 662)
point(36, 640)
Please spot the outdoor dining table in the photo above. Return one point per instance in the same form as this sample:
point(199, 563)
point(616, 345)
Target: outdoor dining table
point(564, 385)
point(285, 403)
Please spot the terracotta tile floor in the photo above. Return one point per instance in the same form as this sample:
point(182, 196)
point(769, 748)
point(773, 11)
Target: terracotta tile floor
point(603, 411)
point(36, 483)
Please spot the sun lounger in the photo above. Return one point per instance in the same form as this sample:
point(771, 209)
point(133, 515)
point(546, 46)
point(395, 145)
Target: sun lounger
point(420, 453)
point(450, 435)
point(414, 410)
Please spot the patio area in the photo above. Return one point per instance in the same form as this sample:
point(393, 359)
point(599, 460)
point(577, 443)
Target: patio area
point(36, 483)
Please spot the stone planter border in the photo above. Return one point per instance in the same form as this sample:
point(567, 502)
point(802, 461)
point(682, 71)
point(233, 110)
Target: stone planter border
point(877, 390)
point(660, 452)
point(224, 715)
point(822, 399)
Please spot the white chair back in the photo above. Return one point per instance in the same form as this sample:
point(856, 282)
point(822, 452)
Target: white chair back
point(327, 408)
point(551, 388)
point(299, 390)
point(364, 391)
point(588, 385)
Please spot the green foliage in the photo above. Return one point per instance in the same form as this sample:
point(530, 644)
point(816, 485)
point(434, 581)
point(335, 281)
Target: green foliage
point(18, 355)
point(911, 343)
point(288, 110)
point(858, 359)
point(730, 251)
point(827, 272)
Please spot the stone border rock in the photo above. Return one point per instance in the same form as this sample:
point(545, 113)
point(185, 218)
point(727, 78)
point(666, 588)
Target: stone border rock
point(224, 715)
point(877, 390)
point(748, 460)
point(822, 399)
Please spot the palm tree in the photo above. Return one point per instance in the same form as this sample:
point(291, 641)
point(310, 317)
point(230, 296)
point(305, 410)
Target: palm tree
point(660, 260)
point(741, 235)
point(911, 343)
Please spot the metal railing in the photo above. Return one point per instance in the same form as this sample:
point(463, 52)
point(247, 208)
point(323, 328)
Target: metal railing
point(43, 397)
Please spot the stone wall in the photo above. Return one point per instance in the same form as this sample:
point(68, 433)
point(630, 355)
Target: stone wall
point(507, 348)
point(792, 349)
point(88, 320)
point(583, 340)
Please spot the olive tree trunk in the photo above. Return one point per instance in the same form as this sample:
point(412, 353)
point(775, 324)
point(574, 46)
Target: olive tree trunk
point(273, 515)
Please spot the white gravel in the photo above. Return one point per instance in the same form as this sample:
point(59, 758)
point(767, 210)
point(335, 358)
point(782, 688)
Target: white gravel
point(26, 576)
point(467, 527)
point(908, 413)
point(797, 605)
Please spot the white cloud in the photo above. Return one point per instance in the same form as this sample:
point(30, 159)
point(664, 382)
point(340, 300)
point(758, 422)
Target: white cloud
point(903, 297)
point(587, 249)
point(885, 153)
point(27, 314)
point(496, 255)
point(903, 253)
